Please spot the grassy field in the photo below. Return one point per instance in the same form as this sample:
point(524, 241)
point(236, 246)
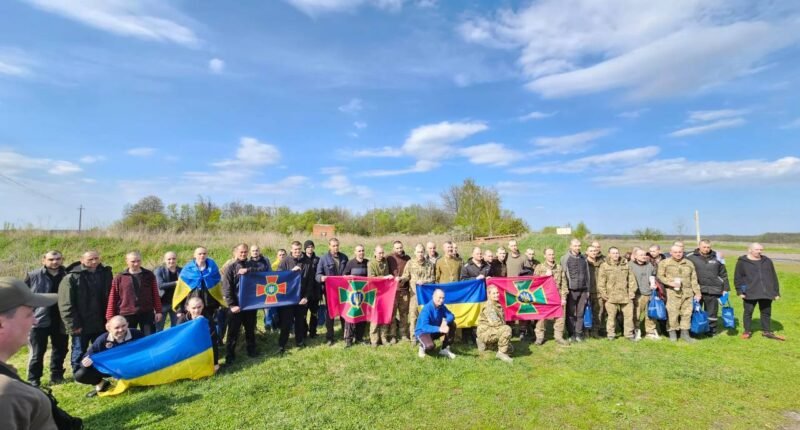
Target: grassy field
point(723, 382)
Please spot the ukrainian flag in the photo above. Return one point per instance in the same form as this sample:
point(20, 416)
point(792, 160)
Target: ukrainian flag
point(192, 278)
point(182, 352)
point(464, 299)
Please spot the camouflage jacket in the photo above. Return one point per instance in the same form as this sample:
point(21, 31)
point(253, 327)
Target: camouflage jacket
point(491, 315)
point(615, 282)
point(416, 273)
point(558, 276)
point(669, 269)
point(594, 269)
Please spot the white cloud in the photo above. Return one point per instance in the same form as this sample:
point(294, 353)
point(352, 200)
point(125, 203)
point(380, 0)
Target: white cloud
point(537, 115)
point(386, 151)
point(493, 154)
point(792, 124)
point(13, 164)
point(432, 142)
point(318, 7)
point(252, 152)
point(360, 125)
point(332, 170)
point(632, 114)
point(90, 159)
point(216, 66)
point(716, 125)
point(648, 49)
point(611, 159)
point(713, 115)
point(681, 170)
point(141, 151)
point(419, 167)
point(142, 19)
point(568, 144)
point(342, 186)
point(353, 107)
point(511, 188)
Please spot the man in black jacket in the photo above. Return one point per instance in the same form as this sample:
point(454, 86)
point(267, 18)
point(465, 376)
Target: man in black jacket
point(48, 323)
point(167, 278)
point(82, 301)
point(236, 316)
point(757, 284)
point(713, 279)
point(331, 264)
point(314, 289)
point(296, 314)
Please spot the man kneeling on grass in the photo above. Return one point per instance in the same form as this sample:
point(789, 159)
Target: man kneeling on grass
point(117, 334)
point(435, 321)
point(492, 327)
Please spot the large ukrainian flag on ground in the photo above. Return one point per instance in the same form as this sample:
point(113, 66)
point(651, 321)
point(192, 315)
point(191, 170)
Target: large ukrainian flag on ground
point(463, 298)
point(192, 277)
point(182, 352)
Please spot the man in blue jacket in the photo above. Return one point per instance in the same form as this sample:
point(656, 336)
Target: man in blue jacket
point(435, 321)
point(331, 264)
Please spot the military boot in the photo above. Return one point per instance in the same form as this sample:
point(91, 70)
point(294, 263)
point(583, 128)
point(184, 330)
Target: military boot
point(504, 357)
point(686, 337)
point(673, 335)
point(481, 345)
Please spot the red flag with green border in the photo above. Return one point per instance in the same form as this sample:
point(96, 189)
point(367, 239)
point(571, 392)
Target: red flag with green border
point(528, 297)
point(360, 298)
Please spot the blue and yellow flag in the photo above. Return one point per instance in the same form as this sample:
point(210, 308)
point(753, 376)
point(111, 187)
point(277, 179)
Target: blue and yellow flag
point(268, 290)
point(463, 298)
point(182, 352)
point(192, 278)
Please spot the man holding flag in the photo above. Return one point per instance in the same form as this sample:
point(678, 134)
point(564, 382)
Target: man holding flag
point(236, 316)
point(551, 268)
point(331, 264)
point(296, 261)
point(199, 278)
point(418, 271)
point(435, 321)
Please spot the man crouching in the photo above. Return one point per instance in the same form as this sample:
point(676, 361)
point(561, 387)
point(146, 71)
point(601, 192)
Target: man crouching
point(435, 321)
point(492, 327)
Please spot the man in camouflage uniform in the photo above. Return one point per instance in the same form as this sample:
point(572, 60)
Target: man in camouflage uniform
point(598, 305)
point(378, 267)
point(551, 268)
point(418, 271)
point(448, 268)
point(678, 276)
point(492, 328)
point(617, 287)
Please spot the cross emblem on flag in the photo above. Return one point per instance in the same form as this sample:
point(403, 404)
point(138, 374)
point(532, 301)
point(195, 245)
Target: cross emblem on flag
point(356, 298)
point(525, 301)
point(271, 289)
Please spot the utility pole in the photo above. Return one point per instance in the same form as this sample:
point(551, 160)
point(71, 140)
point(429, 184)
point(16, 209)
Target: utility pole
point(80, 217)
point(697, 225)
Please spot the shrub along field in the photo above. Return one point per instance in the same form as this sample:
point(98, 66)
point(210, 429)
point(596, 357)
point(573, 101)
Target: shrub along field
point(724, 382)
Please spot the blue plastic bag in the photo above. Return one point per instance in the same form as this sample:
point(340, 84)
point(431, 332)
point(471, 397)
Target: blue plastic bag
point(728, 319)
point(587, 316)
point(656, 309)
point(699, 319)
point(322, 315)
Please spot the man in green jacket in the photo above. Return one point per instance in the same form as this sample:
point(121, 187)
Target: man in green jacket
point(616, 286)
point(378, 267)
point(678, 276)
point(492, 327)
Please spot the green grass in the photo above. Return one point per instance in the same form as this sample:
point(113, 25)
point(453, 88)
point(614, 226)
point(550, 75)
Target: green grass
point(723, 382)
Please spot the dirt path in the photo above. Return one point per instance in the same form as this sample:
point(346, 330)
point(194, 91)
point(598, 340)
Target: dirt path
point(777, 257)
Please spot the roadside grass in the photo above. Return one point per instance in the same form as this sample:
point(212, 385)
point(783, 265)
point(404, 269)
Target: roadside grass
point(724, 382)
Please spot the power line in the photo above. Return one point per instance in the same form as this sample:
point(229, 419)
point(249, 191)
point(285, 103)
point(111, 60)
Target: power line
point(30, 190)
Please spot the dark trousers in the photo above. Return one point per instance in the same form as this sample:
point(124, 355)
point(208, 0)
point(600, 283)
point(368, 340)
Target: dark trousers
point(329, 322)
point(80, 343)
point(711, 306)
point(89, 375)
point(313, 308)
point(37, 340)
point(235, 323)
point(355, 331)
point(289, 315)
point(220, 318)
point(146, 322)
point(426, 339)
point(167, 313)
point(576, 304)
point(764, 308)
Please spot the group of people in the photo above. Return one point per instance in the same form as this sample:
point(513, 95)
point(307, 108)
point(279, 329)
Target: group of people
point(97, 310)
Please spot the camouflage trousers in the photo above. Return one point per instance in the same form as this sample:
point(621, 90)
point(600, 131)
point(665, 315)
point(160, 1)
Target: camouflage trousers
point(400, 315)
point(627, 318)
point(679, 307)
point(598, 312)
point(379, 332)
point(640, 315)
point(413, 312)
point(496, 335)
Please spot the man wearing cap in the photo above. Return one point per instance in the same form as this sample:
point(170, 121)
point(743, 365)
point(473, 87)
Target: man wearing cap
point(82, 300)
point(48, 323)
point(21, 405)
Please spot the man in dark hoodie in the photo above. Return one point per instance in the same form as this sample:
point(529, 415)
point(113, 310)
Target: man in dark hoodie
point(134, 295)
point(47, 324)
point(236, 316)
point(757, 284)
point(331, 264)
point(314, 289)
point(288, 315)
point(713, 279)
point(82, 301)
point(358, 266)
point(475, 268)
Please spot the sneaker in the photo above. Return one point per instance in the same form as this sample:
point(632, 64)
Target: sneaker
point(522, 337)
point(504, 357)
point(393, 341)
point(673, 336)
point(747, 335)
point(481, 346)
point(445, 352)
point(35, 383)
point(281, 351)
point(637, 334)
point(539, 341)
point(104, 386)
point(329, 342)
point(579, 338)
point(610, 337)
point(652, 336)
point(771, 335)
point(634, 339)
point(421, 352)
point(312, 335)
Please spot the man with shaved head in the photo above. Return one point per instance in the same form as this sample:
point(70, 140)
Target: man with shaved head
point(713, 279)
point(757, 284)
point(679, 277)
point(82, 301)
point(578, 281)
point(134, 295)
point(167, 278)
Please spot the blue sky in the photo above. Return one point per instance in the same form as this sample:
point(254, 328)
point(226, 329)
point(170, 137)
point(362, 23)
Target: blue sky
point(623, 114)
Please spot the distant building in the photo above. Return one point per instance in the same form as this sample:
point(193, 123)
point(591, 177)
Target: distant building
point(564, 231)
point(324, 230)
